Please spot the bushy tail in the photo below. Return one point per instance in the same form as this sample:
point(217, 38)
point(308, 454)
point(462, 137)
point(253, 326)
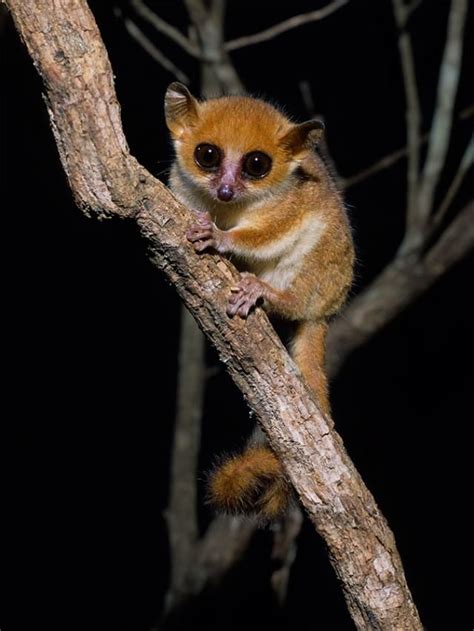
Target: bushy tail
point(251, 483)
point(254, 482)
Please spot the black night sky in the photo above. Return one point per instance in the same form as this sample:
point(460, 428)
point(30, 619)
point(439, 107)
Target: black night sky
point(90, 339)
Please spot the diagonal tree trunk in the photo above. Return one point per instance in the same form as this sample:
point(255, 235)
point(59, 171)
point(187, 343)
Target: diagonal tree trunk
point(411, 272)
point(65, 45)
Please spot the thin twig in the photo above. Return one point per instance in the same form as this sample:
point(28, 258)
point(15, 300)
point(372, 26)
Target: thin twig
point(286, 25)
point(413, 113)
point(454, 243)
point(464, 166)
point(153, 51)
point(384, 163)
point(164, 27)
point(323, 147)
point(443, 117)
point(398, 285)
point(392, 158)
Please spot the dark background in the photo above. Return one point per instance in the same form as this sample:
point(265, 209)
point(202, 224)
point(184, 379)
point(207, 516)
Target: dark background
point(90, 334)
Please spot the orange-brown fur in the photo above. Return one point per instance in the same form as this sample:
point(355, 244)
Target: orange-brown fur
point(253, 483)
point(287, 230)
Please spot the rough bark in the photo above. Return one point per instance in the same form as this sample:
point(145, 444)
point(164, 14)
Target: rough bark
point(66, 48)
point(409, 274)
point(361, 546)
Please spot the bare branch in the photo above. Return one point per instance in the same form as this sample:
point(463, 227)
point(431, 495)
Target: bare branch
point(403, 11)
point(284, 551)
point(392, 158)
point(382, 164)
point(323, 148)
point(466, 162)
point(164, 27)
point(217, 10)
point(361, 546)
point(413, 115)
point(153, 51)
point(286, 25)
point(218, 75)
point(412, 7)
point(396, 286)
point(443, 116)
point(218, 551)
point(198, 12)
point(182, 509)
point(454, 243)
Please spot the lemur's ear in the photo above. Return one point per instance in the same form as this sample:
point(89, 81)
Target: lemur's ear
point(304, 136)
point(181, 108)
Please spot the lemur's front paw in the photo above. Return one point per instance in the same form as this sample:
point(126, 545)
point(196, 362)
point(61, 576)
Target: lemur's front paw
point(249, 292)
point(203, 233)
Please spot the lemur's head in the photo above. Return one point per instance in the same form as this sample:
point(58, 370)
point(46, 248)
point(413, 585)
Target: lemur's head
point(237, 149)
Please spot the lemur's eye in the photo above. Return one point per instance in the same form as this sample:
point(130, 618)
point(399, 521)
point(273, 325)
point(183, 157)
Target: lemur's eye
point(207, 156)
point(256, 164)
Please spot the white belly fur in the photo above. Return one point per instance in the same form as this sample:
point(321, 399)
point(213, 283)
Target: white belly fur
point(281, 274)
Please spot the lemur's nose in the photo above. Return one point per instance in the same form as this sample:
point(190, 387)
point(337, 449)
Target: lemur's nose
point(225, 192)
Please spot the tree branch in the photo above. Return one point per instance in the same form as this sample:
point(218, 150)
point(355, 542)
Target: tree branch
point(323, 148)
point(412, 7)
point(198, 10)
point(443, 116)
point(392, 158)
point(284, 551)
point(218, 551)
point(156, 54)
point(164, 28)
point(218, 75)
point(412, 271)
point(182, 506)
point(454, 243)
point(286, 25)
point(380, 165)
point(65, 45)
point(405, 278)
point(467, 161)
point(413, 115)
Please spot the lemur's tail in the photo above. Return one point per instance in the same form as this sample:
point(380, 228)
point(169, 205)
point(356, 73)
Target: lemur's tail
point(254, 482)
